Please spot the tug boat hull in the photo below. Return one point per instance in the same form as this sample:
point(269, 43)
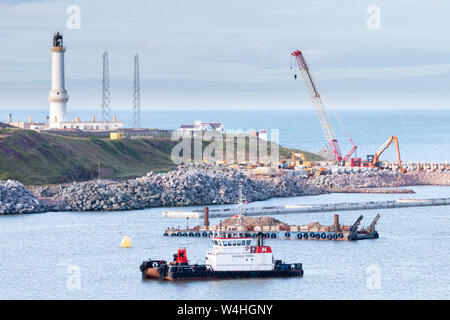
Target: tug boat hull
point(201, 272)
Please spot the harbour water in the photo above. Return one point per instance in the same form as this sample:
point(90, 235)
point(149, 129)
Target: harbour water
point(42, 255)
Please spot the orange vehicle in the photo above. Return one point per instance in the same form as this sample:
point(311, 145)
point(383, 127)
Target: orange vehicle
point(376, 157)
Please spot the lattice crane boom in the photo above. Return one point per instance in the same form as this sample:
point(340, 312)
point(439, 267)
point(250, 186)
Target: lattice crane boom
point(320, 108)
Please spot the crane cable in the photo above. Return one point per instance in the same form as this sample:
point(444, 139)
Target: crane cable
point(341, 123)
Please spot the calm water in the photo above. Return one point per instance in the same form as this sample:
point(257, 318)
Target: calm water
point(423, 135)
point(412, 255)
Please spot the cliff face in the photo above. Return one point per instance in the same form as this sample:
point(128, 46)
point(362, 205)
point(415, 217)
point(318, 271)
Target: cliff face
point(40, 158)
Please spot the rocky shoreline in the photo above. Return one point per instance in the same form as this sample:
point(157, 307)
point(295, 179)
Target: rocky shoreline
point(198, 184)
point(187, 185)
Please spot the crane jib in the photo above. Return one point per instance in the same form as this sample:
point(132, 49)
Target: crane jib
point(311, 81)
point(320, 109)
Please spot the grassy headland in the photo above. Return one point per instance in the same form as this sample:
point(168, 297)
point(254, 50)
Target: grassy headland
point(42, 158)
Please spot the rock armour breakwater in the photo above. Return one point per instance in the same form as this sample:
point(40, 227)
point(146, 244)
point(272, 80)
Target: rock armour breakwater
point(191, 184)
point(197, 184)
point(381, 178)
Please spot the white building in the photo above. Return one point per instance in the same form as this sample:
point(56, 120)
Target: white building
point(90, 125)
point(198, 126)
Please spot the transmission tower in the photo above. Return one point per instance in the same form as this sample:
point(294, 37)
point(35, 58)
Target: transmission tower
point(136, 95)
point(106, 110)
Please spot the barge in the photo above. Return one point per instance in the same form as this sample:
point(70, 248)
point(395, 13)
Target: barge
point(311, 231)
point(230, 257)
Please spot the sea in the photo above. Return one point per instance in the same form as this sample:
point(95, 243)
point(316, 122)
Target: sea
point(77, 255)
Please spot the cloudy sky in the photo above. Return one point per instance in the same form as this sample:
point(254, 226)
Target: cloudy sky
point(234, 54)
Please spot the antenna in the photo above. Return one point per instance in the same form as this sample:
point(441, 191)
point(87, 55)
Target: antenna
point(106, 110)
point(136, 95)
point(240, 208)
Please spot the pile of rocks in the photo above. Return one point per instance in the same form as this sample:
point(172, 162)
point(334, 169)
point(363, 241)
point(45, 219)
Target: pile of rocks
point(380, 179)
point(15, 198)
point(366, 179)
point(252, 222)
point(189, 184)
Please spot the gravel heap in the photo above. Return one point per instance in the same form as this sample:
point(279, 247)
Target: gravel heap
point(14, 198)
point(189, 184)
point(253, 221)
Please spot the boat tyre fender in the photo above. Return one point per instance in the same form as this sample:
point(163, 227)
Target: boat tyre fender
point(191, 234)
point(329, 237)
point(305, 235)
point(312, 235)
point(287, 235)
point(197, 234)
point(179, 234)
point(340, 235)
point(185, 234)
point(204, 234)
point(318, 235)
point(165, 234)
point(335, 236)
point(324, 235)
point(299, 236)
point(273, 235)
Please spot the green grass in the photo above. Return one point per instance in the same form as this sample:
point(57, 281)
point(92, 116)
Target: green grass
point(42, 158)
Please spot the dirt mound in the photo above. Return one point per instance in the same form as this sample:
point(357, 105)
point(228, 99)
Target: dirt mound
point(253, 221)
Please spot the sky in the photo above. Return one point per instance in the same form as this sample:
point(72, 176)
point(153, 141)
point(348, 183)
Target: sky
point(229, 55)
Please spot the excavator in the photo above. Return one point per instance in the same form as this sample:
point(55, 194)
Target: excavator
point(305, 164)
point(374, 159)
point(301, 156)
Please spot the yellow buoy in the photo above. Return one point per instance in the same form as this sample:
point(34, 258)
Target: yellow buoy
point(126, 242)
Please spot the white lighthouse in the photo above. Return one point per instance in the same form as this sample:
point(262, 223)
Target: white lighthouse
point(58, 95)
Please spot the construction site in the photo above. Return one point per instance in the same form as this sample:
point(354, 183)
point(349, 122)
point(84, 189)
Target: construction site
point(336, 163)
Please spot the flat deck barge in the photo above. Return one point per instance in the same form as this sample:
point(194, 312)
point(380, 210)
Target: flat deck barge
point(311, 231)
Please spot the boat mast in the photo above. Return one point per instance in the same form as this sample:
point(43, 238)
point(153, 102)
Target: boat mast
point(240, 208)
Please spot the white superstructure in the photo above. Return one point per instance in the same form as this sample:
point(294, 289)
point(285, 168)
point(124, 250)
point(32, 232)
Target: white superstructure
point(58, 95)
point(238, 254)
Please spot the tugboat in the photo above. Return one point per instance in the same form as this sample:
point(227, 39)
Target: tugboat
point(230, 257)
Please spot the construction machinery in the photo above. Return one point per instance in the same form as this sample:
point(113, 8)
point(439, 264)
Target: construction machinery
point(320, 109)
point(371, 228)
point(303, 164)
point(302, 161)
point(375, 158)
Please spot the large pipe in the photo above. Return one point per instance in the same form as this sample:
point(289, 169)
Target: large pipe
point(336, 223)
point(206, 217)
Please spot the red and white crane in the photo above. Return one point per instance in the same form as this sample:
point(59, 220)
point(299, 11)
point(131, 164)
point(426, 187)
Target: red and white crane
point(320, 109)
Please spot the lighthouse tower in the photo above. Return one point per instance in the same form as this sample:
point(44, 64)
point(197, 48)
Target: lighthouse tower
point(58, 95)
